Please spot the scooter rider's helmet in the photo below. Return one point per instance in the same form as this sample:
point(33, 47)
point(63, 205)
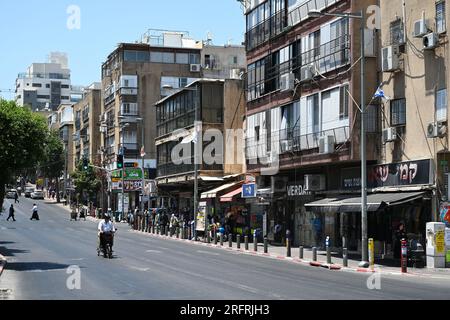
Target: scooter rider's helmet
point(107, 216)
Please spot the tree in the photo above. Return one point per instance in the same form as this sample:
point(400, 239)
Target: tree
point(85, 181)
point(22, 141)
point(54, 161)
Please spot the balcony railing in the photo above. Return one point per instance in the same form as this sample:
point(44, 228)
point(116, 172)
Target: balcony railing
point(266, 29)
point(110, 98)
point(123, 91)
point(77, 124)
point(85, 116)
point(324, 58)
point(300, 13)
point(291, 140)
point(170, 169)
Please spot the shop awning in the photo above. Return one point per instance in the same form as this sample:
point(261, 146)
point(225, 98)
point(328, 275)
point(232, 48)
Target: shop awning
point(213, 193)
point(353, 204)
point(229, 196)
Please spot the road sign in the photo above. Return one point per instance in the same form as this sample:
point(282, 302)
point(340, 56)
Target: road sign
point(249, 190)
point(131, 165)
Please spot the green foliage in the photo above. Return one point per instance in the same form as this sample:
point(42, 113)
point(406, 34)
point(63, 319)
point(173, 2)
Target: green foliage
point(85, 181)
point(54, 161)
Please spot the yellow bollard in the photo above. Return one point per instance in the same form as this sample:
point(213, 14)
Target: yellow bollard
point(371, 254)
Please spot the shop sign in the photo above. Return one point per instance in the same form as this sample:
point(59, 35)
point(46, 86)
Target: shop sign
point(297, 191)
point(440, 242)
point(249, 190)
point(445, 214)
point(408, 173)
point(447, 237)
point(130, 174)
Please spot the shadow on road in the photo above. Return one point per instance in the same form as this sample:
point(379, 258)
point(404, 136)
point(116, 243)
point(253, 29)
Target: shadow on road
point(35, 266)
point(6, 242)
point(11, 252)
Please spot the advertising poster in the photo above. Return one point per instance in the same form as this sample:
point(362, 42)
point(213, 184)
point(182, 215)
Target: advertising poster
point(201, 216)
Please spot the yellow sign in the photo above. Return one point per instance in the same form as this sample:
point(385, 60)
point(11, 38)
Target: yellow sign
point(440, 242)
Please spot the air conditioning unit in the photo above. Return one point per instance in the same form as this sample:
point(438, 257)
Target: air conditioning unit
point(390, 135)
point(436, 130)
point(315, 182)
point(307, 72)
point(195, 68)
point(420, 28)
point(390, 58)
point(287, 82)
point(327, 144)
point(430, 41)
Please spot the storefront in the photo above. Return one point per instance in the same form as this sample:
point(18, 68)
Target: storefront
point(399, 193)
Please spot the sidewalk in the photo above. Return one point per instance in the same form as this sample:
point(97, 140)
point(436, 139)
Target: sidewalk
point(280, 253)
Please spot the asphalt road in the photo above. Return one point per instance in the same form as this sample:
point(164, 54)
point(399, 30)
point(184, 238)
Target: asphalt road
point(40, 253)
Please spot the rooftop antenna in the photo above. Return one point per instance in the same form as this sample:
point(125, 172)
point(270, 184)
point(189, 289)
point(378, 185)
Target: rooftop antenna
point(209, 38)
point(245, 4)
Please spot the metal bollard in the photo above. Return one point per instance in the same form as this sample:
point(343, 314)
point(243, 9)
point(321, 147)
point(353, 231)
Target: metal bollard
point(328, 255)
point(238, 241)
point(208, 238)
point(167, 231)
point(246, 242)
point(288, 248)
point(230, 240)
point(178, 233)
point(301, 253)
point(314, 253)
point(215, 238)
point(221, 239)
point(345, 257)
point(266, 245)
point(255, 244)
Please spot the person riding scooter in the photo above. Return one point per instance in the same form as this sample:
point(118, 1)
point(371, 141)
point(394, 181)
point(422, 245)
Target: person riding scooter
point(106, 232)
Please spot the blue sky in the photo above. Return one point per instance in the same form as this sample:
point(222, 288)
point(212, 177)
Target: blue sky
point(29, 30)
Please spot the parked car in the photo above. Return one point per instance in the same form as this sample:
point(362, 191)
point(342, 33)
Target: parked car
point(36, 195)
point(28, 192)
point(11, 194)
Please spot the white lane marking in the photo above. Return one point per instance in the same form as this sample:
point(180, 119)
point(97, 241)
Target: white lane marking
point(210, 253)
point(79, 259)
point(153, 251)
point(3, 228)
point(140, 269)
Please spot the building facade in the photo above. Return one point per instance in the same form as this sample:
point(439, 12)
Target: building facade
point(303, 118)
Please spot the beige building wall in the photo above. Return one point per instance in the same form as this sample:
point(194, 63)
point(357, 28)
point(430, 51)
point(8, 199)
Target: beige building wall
point(422, 73)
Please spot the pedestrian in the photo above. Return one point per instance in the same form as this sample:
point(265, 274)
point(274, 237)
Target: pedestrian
point(11, 213)
point(35, 215)
point(16, 198)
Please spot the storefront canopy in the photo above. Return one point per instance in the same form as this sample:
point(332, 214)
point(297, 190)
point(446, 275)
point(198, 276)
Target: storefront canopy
point(229, 196)
point(353, 204)
point(213, 193)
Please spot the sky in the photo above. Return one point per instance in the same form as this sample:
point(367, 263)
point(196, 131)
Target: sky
point(30, 30)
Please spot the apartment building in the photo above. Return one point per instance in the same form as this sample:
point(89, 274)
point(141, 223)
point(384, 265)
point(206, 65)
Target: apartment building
point(44, 86)
point(223, 62)
point(87, 136)
point(303, 118)
point(414, 72)
point(218, 104)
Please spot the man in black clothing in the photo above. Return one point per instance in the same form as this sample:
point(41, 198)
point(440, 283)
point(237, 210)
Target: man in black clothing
point(11, 213)
point(16, 198)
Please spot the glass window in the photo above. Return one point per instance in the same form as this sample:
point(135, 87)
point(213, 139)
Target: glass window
point(441, 105)
point(397, 36)
point(182, 58)
point(129, 55)
point(168, 57)
point(156, 57)
point(398, 112)
point(194, 58)
point(344, 103)
point(440, 17)
point(143, 56)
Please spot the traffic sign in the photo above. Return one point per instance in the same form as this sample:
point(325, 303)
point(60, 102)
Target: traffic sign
point(131, 165)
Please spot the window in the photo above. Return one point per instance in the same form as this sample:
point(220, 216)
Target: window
point(234, 60)
point(372, 118)
point(182, 58)
point(47, 86)
point(168, 57)
point(43, 97)
point(440, 17)
point(65, 98)
point(441, 105)
point(65, 86)
point(37, 85)
point(397, 36)
point(194, 58)
point(398, 112)
point(156, 57)
point(344, 103)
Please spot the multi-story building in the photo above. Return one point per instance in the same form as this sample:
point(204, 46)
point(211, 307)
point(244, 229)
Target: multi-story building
point(136, 76)
point(303, 118)
point(223, 62)
point(87, 136)
point(218, 105)
point(414, 72)
point(46, 85)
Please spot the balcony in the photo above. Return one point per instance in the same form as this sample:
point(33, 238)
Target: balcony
point(131, 149)
point(129, 110)
point(77, 124)
point(85, 116)
point(110, 98)
point(266, 30)
point(300, 13)
point(291, 140)
point(170, 169)
point(125, 91)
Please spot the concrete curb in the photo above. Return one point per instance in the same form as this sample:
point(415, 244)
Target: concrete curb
point(3, 263)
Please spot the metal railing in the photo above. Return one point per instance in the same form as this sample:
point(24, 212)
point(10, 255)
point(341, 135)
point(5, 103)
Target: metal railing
point(168, 169)
point(292, 140)
point(300, 13)
point(128, 91)
point(265, 30)
point(324, 58)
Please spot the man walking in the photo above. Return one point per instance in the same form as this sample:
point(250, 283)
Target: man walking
point(16, 198)
point(11, 213)
point(35, 215)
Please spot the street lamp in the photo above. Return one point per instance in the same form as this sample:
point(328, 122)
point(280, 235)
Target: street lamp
point(361, 16)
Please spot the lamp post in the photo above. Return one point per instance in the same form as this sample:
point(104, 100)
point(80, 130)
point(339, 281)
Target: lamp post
point(361, 16)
